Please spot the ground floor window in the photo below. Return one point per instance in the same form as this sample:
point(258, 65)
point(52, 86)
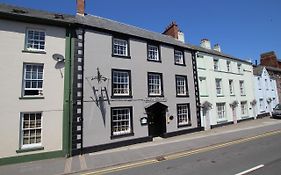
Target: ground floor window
point(183, 113)
point(244, 109)
point(31, 129)
point(221, 111)
point(121, 121)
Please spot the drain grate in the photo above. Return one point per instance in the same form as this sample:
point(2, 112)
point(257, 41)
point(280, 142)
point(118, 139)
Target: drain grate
point(160, 158)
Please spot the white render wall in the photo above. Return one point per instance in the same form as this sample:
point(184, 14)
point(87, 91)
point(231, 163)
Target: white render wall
point(267, 93)
point(205, 67)
point(12, 36)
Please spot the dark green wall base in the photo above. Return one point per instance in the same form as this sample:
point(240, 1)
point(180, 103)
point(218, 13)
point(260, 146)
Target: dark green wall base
point(31, 157)
point(181, 132)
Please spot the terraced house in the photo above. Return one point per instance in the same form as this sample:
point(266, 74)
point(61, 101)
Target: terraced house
point(132, 85)
point(34, 90)
point(225, 86)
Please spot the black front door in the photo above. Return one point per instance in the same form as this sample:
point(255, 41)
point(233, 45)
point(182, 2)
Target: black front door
point(156, 119)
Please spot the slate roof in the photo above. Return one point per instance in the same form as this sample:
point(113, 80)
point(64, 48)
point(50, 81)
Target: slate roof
point(258, 70)
point(26, 14)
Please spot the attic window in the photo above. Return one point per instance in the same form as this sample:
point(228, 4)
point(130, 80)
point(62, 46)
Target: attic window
point(58, 16)
point(19, 11)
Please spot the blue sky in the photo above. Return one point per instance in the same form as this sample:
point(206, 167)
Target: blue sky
point(243, 28)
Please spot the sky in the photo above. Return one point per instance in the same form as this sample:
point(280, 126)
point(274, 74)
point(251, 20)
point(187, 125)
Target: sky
point(243, 28)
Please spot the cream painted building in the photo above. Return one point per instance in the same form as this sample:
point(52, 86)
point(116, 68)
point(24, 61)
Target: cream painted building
point(33, 60)
point(225, 87)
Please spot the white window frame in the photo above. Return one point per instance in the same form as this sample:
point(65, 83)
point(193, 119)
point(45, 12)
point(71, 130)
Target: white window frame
point(181, 85)
point(183, 113)
point(216, 64)
point(153, 53)
point(239, 67)
point(35, 129)
point(121, 122)
point(120, 47)
point(155, 84)
point(35, 43)
point(179, 57)
point(244, 108)
point(203, 86)
point(121, 84)
point(262, 106)
point(242, 87)
point(29, 79)
point(221, 111)
point(259, 83)
point(228, 66)
point(218, 82)
point(231, 87)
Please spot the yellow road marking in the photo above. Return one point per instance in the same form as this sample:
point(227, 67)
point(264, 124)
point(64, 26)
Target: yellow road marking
point(180, 154)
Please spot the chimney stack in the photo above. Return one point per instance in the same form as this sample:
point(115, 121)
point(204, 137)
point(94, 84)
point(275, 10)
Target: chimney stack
point(217, 47)
point(205, 43)
point(174, 31)
point(80, 5)
point(269, 59)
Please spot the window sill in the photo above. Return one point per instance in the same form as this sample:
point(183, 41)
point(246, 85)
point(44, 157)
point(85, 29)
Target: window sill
point(120, 136)
point(30, 98)
point(34, 51)
point(120, 56)
point(232, 95)
point(121, 96)
point(182, 96)
point(185, 125)
point(155, 61)
point(177, 64)
point(23, 150)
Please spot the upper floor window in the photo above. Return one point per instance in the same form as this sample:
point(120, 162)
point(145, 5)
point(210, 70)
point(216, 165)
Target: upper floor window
point(121, 85)
point(153, 53)
point(259, 83)
point(219, 86)
point(231, 87)
point(239, 66)
point(228, 66)
point(203, 86)
point(179, 57)
point(31, 130)
point(155, 85)
point(120, 47)
point(216, 64)
point(35, 40)
point(262, 105)
point(121, 121)
point(242, 87)
point(33, 80)
point(181, 85)
point(183, 113)
point(266, 84)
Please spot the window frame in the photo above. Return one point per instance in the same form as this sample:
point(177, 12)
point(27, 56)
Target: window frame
point(242, 88)
point(31, 49)
point(224, 112)
point(221, 88)
point(161, 86)
point(188, 117)
point(245, 109)
point(158, 49)
point(121, 38)
point(239, 68)
point(183, 57)
point(231, 87)
point(129, 84)
point(216, 64)
point(24, 89)
point(228, 66)
point(186, 86)
point(201, 80)
point(131, 133)
point(23, 146)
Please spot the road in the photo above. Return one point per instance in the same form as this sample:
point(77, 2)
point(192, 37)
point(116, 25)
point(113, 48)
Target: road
point(263, 154)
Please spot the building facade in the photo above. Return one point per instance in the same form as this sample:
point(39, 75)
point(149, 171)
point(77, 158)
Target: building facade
point(33, 103)
point(225, 87)
point(265, 91)
point(135, 85)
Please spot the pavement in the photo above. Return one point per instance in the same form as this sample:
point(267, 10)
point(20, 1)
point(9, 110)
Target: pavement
point(144, 151)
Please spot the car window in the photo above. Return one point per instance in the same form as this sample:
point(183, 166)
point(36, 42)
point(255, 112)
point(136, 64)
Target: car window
point(278, 107)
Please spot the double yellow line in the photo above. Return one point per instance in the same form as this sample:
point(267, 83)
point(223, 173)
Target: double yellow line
point(179, 154)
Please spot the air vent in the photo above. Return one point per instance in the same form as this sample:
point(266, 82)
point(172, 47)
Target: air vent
point(58, 16)
point(19, 11)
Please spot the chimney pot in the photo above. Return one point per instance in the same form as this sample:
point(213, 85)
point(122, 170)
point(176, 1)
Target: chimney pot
point(205, 43)
point(80, 5)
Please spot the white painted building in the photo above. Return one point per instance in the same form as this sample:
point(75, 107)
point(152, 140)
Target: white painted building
point(265, 91)
point(225, 87)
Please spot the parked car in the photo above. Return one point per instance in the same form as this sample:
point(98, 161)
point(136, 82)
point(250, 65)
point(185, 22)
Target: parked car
point(276, 113)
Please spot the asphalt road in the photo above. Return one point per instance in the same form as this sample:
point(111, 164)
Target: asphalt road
point(262, 154)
